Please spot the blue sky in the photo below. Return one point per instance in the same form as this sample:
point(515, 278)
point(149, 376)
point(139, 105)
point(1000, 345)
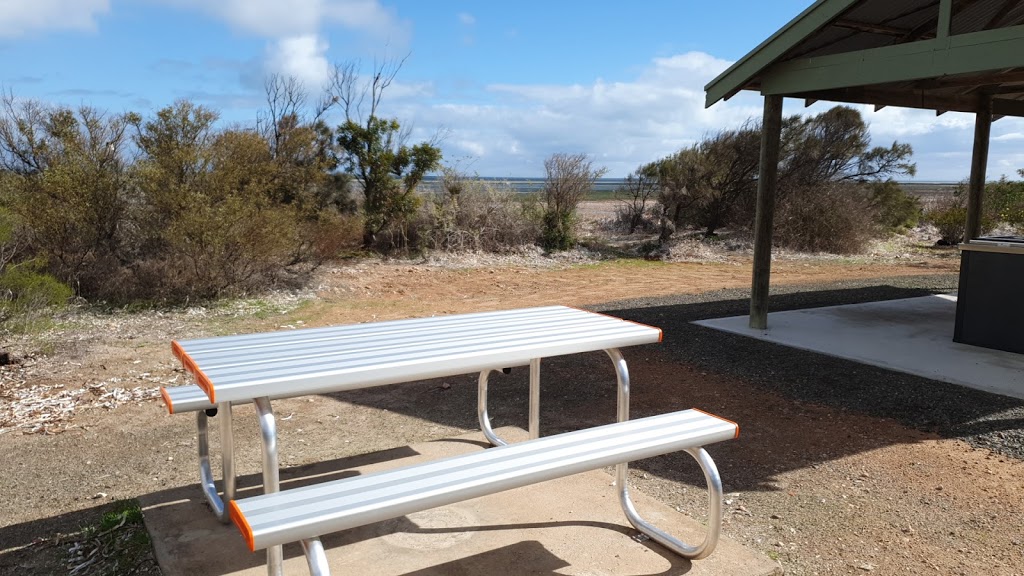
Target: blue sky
point(509, 82)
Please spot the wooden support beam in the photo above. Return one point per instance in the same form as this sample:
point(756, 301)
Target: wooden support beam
point(917, 99)
point(767, 178)
point(879, 107)
point(808, 102)
point(979, 163)
point(945, 19)
point(939, 113)
point(974, 53)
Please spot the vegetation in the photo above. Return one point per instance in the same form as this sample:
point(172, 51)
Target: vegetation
point(832, 193)
point(376, 152)
point(473, 214)
point(117, 544)
point(633, 196)
point(568, 179)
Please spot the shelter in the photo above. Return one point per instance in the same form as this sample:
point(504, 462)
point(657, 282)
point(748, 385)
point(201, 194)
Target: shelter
point(942, 55)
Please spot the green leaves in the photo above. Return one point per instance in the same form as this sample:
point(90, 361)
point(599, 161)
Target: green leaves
point(388, 170)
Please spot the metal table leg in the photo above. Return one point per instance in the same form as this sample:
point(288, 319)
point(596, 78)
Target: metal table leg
point(216, 502)
point(707, 465)
point(481, 411)
point(271, 474)
point(484, 417)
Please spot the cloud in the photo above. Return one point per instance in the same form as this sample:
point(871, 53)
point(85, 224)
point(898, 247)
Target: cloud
point(297, 30)
point(621, 124)
point(1008, 137)
point(509, 129)
point(302, 57)
point(21, 17)
point(466, 19)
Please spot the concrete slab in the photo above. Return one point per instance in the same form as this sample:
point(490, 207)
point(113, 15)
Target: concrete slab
point(569, 526)
point(913, 335)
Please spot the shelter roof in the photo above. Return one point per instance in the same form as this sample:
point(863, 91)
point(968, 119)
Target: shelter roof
point(943, 55)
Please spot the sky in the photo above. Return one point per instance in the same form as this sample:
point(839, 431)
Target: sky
point(506, 83)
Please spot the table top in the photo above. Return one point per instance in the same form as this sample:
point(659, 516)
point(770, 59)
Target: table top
point(337, 358)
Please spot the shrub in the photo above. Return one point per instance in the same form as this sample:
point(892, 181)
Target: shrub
point(1004, 201)
point(830, 219)
point(25, 291)
point(471, 214)
point(949, 216)
point(333, 234)
point(568, 178)
point(894, 209)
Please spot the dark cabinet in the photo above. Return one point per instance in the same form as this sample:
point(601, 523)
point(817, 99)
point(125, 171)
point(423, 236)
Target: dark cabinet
point(990, 297)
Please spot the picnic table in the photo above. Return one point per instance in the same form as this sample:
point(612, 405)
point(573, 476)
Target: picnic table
point(259, 368)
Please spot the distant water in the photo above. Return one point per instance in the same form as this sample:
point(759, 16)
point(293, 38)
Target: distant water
point(526, 185)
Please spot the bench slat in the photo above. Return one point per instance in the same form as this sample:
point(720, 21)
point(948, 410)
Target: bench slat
point(319, 360)
point(300, 513)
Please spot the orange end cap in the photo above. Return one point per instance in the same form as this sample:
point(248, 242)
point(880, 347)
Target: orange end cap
point(720, 418)
point(243, 525)
point(167, 400)
point(177, 350)
point(204, 382)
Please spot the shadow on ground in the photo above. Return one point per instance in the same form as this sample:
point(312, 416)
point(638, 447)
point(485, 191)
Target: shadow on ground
point(796, 408)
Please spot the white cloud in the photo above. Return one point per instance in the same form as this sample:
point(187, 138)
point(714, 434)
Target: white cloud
point(302, 57)
point(20, 17)
point(621, 124)
point(466, 19)
point(297, 30)
point(1008, 137)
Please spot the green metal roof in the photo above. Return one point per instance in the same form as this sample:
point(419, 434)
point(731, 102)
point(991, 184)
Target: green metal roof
point(945, 55)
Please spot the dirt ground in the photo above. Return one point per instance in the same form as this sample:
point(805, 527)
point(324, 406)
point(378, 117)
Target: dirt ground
point(822, 491)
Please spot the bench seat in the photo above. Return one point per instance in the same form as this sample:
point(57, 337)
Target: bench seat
point(308, 512)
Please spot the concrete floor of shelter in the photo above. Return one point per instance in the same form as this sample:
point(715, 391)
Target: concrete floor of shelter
point(573, 525)
point(913, 335)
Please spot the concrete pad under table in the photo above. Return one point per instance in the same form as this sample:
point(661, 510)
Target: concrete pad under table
point(573, 525)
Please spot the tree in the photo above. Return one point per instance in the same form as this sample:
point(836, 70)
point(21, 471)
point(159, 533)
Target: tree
point(713, 184)
point(568, 179)
point(376, 152)
point(722, 177)
point(638, 188)
point(834, 146)
point(66, 181)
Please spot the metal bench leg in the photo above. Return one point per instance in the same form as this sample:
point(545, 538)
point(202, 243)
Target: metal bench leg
point(227, 460)
point(315, 557)
point(481, 411)
point(271, 474)
point(714, 482)
point(707, 465)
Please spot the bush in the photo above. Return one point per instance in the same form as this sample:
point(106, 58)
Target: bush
point(894, 209)
point(334, 234)
point(1004, 201)
point(829, 219)
point(949, 215)
point(471, 214)
point(24, 290)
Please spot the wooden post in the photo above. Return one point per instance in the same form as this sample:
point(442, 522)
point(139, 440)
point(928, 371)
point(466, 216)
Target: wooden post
point(979, 162)
point(767, 176)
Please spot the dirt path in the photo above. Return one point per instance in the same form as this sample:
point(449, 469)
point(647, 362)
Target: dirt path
point(821, 490)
